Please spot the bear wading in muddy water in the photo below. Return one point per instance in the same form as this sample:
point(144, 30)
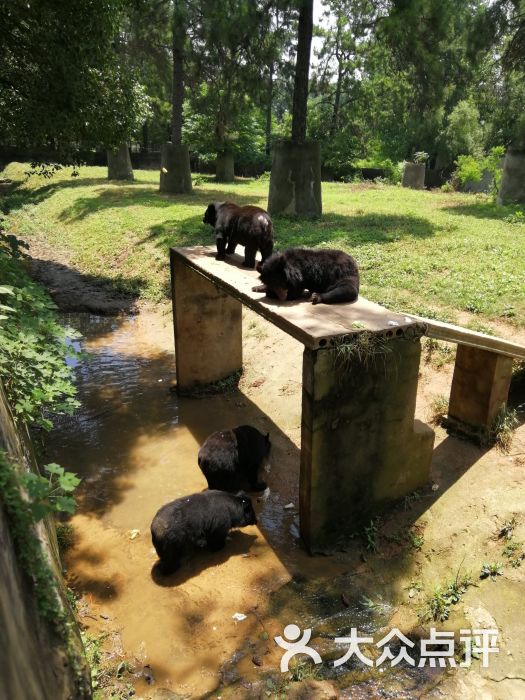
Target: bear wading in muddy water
point(248, 226)
point(202, 520)
point(329, 276)
point(230, 459)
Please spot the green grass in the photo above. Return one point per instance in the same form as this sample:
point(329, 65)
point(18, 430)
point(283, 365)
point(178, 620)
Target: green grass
point(426, 252)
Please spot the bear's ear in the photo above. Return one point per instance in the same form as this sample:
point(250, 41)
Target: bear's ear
point(280, 261)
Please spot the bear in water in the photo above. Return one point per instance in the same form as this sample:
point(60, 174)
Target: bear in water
point(197, 521)
point(230, 459)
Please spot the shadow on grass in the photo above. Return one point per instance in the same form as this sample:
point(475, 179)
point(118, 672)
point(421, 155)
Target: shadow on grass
point(333, 229)
point(16, 196)
point(484, 210)
point(128, 194)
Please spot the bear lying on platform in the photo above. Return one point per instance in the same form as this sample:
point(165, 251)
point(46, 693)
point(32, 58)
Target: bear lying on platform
point(250, 226)
point(330, 276)
point(230, 459)
point(197, 521)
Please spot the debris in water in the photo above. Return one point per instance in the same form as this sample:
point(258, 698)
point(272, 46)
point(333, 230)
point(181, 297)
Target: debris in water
point(148, 674)
point(238, 617)
point(289, 506)
point(265, 495)
point(435, 487)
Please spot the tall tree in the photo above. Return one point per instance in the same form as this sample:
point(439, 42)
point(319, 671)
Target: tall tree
point(61, 78)
point(302, 70)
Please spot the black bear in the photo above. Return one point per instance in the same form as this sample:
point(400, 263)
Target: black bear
point(197, 521)
point(330, 276)
point(250, 226)
point(230, 459)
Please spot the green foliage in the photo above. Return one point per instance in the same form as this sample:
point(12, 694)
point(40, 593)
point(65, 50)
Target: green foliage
point(438, 604)
point(463, 134)
point(33, 345)
point(470, 168)
point(28, 547)
point(51, 494)
point(66, 92)
point(492, 570)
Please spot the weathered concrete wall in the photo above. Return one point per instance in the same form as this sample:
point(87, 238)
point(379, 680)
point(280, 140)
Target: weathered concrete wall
point(414, 176)
point(34, 663)
point(224, 167)
point(208, 329)
point(295, 179)
point(175, 173)
point(512, 188)
point(360, 446)
point(119, 163)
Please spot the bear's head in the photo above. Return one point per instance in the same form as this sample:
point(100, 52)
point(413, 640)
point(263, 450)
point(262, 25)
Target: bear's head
point(273, 275)
point(210, 215)
point(247, 515)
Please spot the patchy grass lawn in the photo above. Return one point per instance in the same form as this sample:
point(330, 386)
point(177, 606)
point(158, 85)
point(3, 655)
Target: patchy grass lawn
point(431, 253)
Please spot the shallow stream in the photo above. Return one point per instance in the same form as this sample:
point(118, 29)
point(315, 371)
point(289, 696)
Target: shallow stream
point(134, 443)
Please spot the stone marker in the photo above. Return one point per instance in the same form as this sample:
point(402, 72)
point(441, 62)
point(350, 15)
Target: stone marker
point(119, 163)
point(295, 180)
point(175, 173)
point(224, 167)
point(512, 188)
point(414, 176)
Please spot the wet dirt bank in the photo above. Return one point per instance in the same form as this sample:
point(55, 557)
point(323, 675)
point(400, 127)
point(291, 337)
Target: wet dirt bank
point(135, 444)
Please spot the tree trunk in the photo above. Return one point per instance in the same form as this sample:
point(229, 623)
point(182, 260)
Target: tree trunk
point(269, 105)
point(302, 69)
point(177, 98)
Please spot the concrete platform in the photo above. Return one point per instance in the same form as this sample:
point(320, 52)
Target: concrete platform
point(360, 445)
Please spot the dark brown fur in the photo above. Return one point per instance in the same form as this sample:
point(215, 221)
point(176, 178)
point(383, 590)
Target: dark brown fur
point(248, 226)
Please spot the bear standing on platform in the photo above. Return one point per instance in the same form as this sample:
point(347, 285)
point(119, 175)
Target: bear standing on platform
point(249, 226)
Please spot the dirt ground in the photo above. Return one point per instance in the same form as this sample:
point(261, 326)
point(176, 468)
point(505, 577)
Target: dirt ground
point(135, 443)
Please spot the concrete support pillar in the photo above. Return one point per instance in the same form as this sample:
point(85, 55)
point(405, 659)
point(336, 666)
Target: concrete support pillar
point(360, 445)
point(295, 179)
point(119, 163)
point(480, 388)
point(208, 329)
point(175, 173)
point(414, 176)
point(224, 171)
point(512, 187)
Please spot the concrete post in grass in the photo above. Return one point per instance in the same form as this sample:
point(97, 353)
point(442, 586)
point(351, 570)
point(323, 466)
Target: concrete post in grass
point(295, 179)
point(119, 163)
point(175, 173)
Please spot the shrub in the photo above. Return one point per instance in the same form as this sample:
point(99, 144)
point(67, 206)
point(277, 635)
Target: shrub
point(34, 346)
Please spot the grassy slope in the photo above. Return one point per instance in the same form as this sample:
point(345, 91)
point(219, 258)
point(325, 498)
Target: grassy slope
point(425, 252)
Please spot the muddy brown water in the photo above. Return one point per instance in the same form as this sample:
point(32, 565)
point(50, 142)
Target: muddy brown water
point(134, 443)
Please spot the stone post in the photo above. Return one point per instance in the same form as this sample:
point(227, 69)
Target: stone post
point(360, 446)
point(224, 167)
point(295, 179)
point(119, 163)
point(414, 176)
point(512, 187)
point(208, 329)
point(175, 173)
